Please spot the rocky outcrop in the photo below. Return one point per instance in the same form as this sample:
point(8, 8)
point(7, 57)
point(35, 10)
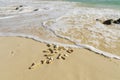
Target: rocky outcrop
point(117, 21)
point(108, 22)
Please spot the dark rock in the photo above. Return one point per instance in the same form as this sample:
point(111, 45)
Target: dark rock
point(21, 6)
point(97, 19)
point(117, 21)
point(36, 9)
point(108, 22)
point(16, 8)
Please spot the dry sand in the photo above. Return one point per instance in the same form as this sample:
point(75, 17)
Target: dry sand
point(17, 54)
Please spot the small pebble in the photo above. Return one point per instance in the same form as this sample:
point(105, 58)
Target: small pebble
point(21, 6)
point(16, 8)
point(36, 9)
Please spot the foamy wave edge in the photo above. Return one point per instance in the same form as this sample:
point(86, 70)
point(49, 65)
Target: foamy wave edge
point(88, 47)
point(91, 48)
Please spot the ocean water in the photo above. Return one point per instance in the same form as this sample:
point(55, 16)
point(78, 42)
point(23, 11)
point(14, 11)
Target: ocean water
point(100, 3)
point(62, 23)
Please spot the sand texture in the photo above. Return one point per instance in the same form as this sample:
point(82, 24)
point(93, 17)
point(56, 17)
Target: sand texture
point(17, 55)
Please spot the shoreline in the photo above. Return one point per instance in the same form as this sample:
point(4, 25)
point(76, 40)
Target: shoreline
point(84, 46)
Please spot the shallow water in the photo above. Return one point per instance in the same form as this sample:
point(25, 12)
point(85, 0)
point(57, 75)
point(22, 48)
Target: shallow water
point(100, 3)
point(63, 23)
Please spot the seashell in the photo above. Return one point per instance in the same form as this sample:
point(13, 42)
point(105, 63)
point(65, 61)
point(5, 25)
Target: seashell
point(56, 52)
point(59, 56)
point(32, 64)
point(29, 68)
point(42, 61)
point(63, 57)
point(48, 45)
point(54, 46)
point(51, 58)
point(61, 48)
point(45, 51)
point(69, 50)
point(51, 51)
point(35, 66)
point(48, 61)
point(46, 55)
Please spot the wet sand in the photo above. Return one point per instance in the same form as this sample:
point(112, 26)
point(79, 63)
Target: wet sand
point(21, 58)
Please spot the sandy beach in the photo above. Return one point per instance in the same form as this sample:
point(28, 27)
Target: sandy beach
point(58, 40)
point(17, 54)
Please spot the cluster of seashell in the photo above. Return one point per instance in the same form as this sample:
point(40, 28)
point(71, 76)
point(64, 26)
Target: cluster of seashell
point(52, 53)
point(55, 52)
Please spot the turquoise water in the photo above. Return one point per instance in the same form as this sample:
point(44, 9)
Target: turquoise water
point(101, 3)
